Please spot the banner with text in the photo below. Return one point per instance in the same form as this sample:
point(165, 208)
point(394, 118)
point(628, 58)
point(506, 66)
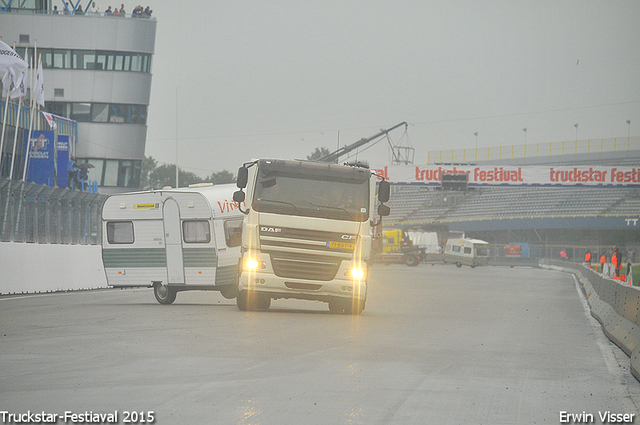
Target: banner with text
point(63, 160)
point(41, 151)
point(485, 175)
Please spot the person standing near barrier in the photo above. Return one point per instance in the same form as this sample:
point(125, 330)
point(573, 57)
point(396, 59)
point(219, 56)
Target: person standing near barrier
point(587, 258)
point(615, 262)
point(603, 261)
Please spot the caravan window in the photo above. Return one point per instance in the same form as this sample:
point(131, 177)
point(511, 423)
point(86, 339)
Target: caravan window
point(196, 231)
point(467, 250)
point(233, 232)
point(456, 248)
point(120, 232)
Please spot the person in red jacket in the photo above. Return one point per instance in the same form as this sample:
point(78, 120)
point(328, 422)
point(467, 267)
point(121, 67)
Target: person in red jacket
point(616, 262)
point(587, 258)
point(603, 261)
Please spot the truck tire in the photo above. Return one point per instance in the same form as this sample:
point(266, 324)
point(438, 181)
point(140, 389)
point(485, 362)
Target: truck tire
point(250, 301)
point(411, 260)
point(346, 307)
point(164, 294)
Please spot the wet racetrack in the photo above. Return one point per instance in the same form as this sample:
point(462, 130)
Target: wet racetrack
point(435, 345)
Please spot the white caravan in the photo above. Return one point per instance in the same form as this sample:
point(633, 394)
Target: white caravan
point(466, 251)
point(173, 240)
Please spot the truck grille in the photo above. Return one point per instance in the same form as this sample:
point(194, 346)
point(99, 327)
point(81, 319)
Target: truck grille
point(306, 254)
point(289, 265)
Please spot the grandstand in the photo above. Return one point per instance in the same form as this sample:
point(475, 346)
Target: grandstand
point(577, 216)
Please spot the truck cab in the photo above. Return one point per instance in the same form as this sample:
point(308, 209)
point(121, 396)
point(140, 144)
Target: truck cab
point(307, 232)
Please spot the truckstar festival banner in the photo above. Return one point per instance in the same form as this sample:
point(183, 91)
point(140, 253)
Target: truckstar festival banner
point(485, 175)
point(40, 167)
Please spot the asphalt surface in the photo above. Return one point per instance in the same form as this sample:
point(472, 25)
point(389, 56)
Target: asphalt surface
point(435, 345)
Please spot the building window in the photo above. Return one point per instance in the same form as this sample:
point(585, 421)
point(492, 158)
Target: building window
point(113, 172)
point(98, 60)
point(81, 112)
point(99, 112)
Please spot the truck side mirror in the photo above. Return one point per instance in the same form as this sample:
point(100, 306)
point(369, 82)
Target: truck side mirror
point(384, 191)
point(243, 177)
point(238, 196)
point(383, 210)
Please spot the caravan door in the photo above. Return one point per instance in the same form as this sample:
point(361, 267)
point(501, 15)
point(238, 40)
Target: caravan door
point(173, 241)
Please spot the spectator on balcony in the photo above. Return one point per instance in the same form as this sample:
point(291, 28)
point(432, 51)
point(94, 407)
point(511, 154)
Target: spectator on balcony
point(122, 12)
point(108, 12)
point(93, 9)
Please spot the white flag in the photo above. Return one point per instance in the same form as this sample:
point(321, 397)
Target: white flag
point(50, 120)
point(13, 86)
point(8, 83)
point(38, 90)
point(10, 59)
point(20, 88)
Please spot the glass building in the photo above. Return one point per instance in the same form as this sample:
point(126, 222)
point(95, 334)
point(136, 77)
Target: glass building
point(97, 71)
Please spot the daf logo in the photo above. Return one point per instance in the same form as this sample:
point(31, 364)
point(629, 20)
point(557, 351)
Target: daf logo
point(270, 229)
point(348, 237)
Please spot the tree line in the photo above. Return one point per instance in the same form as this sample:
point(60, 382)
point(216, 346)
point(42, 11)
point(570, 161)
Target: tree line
point(154, 176)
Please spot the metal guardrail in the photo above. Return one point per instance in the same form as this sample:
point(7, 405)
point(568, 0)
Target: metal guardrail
point(616, 144)
point(40, 214)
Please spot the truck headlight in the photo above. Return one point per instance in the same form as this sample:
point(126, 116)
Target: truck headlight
point(252, 264)
point(357, 273)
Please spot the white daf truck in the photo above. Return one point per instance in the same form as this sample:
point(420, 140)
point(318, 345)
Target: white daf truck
point(173, 240)
point(307, 232)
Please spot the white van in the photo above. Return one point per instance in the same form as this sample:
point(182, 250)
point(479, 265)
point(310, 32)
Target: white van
point(173, 240)
point(466, 251)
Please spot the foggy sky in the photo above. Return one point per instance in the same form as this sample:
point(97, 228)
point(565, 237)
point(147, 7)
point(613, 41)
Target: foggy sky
point(236, 80)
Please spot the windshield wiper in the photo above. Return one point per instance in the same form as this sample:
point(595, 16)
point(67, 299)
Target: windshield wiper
point(333, 208)
point(280, 202)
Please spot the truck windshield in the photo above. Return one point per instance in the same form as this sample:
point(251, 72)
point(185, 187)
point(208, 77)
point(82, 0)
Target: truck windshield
point(312, 196)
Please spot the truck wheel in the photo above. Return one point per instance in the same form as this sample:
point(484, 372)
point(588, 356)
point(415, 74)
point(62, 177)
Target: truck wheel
point(458, 264)
point(355, 307)
point(164, 293)
point(241, 301)
point(229, 291)
point(411, 260)
point(346, 307)
point(250, 301)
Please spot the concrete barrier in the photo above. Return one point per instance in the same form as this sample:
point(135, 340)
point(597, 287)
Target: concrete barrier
point(615, 304)
point(34, 268)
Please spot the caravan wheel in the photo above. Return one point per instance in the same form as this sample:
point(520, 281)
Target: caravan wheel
point(229, 291)
point(458, 264)
point(164, 293)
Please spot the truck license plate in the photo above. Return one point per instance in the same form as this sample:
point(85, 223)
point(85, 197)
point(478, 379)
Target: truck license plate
point(340, 245)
